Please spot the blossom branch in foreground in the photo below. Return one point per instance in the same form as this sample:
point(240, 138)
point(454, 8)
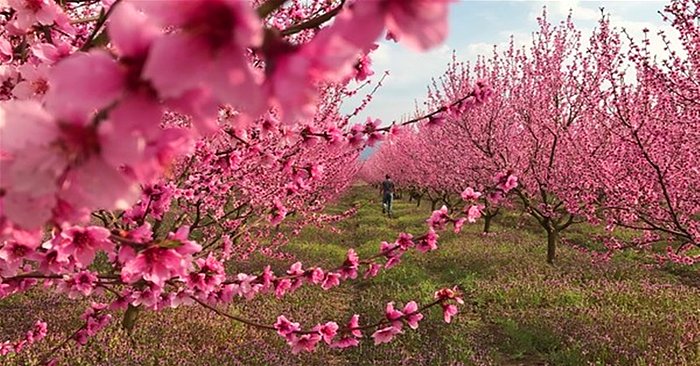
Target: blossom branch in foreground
point(386, 329)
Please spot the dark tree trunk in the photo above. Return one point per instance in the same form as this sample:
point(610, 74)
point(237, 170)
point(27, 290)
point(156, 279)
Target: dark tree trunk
point(552, 240)
point(487, 222)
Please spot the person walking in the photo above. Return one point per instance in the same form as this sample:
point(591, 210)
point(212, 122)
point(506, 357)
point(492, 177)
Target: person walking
point(387, 195)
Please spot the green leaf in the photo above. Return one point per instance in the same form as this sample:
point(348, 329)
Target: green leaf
point(170, 244)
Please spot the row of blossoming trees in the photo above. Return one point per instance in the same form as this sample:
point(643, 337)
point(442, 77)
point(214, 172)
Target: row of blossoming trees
point(147, 145)
point(600, 131)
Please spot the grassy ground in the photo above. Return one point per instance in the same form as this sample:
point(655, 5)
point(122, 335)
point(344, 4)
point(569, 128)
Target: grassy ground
point(520, 310)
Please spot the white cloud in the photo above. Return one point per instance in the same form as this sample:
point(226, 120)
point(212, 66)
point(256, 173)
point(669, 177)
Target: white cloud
point(411, 73)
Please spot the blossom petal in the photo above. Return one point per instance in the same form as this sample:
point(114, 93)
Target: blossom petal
point(82, 84)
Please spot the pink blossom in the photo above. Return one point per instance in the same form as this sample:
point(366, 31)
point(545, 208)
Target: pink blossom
point(306, 342)
point(282, 287)
point(52, 53)
point(24, 127)
point(122, 302)
point(327, 331)
point(370, 129)
point(506, 181)
point(81, 337)
point(246, 287)
point(15, 251)
point(495, 196)
point(459, 223)
point(448, 311)
point(336, 136)
point(363, 68)
point(6, 348)
point(141, 233)
point(154, 264)
point(39, 331)
point(393, 260)
point(149, 297)
point(511, 182)
point(385, 335)
point(211, 274)
point(316, 171)
point(285, 327)
point(97, 323)
point(396, 131)
point(356, 136)
point(373, 270)
point(54, 261)
point(436, 120)
point(130, 31)
point(267, 277)
point(429, 242)
point(393, 315)
point(473, 213)
point(35, 83)
point(386, 248)
point(82, 283)
point(469, 194)
point(449, 294)
point(296, 269)
point(279, 212)
point(412, 316)
point(132, 139)
point(206, 53)
point(82, 243)
point(346, 342)
point(349, 269)
point(317, 275)
point(184, 246)
point(55, 166)
point(438, 218)
point(30, 12)
point(290, 83)
point(332, 279)
point(82, 84)
point(354, 325)
point(405, 241)
point(420, 24)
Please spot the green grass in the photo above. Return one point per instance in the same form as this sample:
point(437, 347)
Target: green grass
point(519, 311)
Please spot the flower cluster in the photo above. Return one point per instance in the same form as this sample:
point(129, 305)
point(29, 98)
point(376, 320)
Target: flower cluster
point(31, 336)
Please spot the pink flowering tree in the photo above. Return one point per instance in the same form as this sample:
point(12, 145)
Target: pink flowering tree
point(507, 142)
point(424, 158)
point(647, 147)
point(557, 74)
point(165, 140)
point(428, 159)
point(479, 141)
point(405, 158)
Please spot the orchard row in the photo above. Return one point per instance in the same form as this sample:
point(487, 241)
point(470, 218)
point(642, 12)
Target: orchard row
point(596, 129)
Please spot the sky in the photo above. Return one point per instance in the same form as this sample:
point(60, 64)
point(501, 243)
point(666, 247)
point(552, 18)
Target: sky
point(475, 27)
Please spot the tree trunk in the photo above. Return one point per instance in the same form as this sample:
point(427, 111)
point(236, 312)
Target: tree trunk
point(487, 223)
point(433, 204)
point(552, 239)
point(418, 198)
